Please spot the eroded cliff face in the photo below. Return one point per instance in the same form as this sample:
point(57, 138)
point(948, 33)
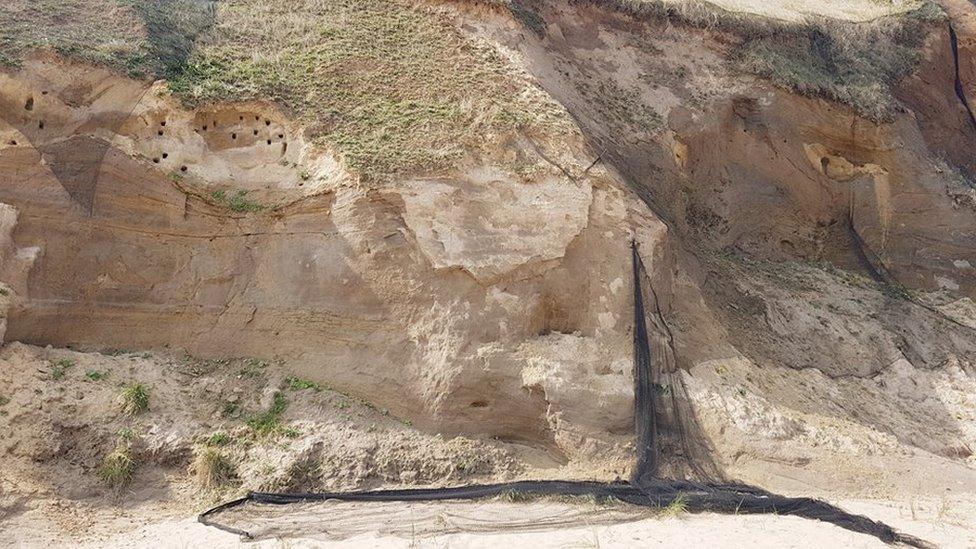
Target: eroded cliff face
point(495, 298)
point(482, 302)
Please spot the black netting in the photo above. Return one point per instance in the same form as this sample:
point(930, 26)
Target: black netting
point(668, 440)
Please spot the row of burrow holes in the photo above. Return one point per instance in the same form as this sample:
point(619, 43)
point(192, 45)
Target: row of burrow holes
point(29, 106)
point(270, 141)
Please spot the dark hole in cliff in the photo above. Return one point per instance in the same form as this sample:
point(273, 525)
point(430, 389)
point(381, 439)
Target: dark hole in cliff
point(40, 125)
point(255, 132)
point(215, 124)
point(159, 133)
point(479, 404)
point(29, 105)
point(824, 162)
point(162, 123)
point(256, 118)
point(233, 136)
point(165, 155)
point(12, 142)
point(182, 168)
point(284, 147)
point(155, 161)
point(204, 127)
point(281, 136)
point(44, 92)
point(267, 122)
point(241, 118)
point(269, 142)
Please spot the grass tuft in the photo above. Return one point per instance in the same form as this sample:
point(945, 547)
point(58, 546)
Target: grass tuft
point(677, 507)
point(134, 399)
point(118, 467)
point(212, 467)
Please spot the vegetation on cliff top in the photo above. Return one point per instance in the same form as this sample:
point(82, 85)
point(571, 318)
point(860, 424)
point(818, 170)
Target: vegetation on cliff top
point(396, 89)
point(393, 86)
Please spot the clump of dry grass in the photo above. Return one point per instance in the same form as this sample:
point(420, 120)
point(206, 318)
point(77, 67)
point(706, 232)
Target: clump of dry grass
point(211, 467)
point(134, 399)
point(117, 468)
point(119, 465)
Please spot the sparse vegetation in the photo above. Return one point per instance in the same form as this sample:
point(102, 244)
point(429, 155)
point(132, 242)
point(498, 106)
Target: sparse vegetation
point(134, 399)
point(4, 400)
point(252, 368)
point(299, 384)
point(853, 62)
point(231, 410)
point(95, 375)
point(141, 38)
point(238, 201)
point(218, 439)
point(269, 422)
point(211, 467)
point(61, 367)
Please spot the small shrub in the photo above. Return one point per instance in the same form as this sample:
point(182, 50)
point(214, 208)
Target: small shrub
point(134, 399)
point(95, 375)
point(270, 421)
point(61, 367)
point(211, 467)
point(117, 467)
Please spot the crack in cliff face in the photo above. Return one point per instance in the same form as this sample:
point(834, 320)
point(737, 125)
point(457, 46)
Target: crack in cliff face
point(960, 91)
